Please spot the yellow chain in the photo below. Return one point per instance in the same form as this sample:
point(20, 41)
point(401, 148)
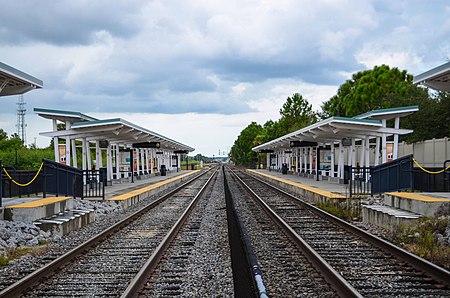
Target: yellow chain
point(26, 184)
point(429, 172)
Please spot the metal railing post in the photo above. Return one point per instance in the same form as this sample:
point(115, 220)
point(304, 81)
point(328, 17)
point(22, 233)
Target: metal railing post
point(44, 187)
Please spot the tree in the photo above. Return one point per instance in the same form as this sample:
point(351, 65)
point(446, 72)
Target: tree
point(241, 152)
point(296, 113)
point(378, 88)
point(3, 134)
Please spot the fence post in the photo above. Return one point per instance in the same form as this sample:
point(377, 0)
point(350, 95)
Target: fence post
point(44, 187)
point(1, 183)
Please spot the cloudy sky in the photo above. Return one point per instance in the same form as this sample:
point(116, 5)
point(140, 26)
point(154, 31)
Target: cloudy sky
point(199, 71)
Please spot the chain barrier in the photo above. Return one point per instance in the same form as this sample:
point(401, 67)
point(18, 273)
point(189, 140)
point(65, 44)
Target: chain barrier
point(24, 184)
point(430, 172)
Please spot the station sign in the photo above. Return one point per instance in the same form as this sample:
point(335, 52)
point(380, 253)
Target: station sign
point(266, 151)
point(181, 152)
point(302, 144)
point(103, 144)
point(147, 145)
point(346, 142)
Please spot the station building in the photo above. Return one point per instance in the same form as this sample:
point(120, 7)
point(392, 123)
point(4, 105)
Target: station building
point(127, 149)
point(16, 82)
point(323, 149)
point(333, 148)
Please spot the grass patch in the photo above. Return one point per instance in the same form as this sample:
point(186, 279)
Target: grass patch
point(3, 261)
point(345, 210)
point(19, 252)
point(422, 240)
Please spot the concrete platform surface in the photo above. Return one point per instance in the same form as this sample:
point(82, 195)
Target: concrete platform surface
point(309, 183)
point(125, 187)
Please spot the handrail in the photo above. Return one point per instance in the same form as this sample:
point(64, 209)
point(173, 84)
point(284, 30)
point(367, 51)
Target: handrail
point(430, 172)
point(24, 184)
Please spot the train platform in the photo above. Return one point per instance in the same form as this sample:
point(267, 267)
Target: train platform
point(308, 187)
point(390, 210)
point(128, 195)
point(60, 215)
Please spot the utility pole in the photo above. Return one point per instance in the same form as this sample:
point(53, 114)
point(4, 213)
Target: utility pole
point(21, 125)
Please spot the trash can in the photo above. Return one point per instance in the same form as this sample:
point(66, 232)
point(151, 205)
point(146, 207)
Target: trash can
point(192, 167)
point(284, 168)
point(163, 170)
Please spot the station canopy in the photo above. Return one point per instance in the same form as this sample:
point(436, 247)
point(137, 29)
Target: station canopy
point(437, 78)
point(115, 131)
point(335, 129)
point(16, 82)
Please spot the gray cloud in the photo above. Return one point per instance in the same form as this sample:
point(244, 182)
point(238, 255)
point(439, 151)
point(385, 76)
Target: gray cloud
point(66, 22)
point(172, 57)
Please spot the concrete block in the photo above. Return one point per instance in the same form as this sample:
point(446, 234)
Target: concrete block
point(66, 223)
point(429, 209)
point(387, 217)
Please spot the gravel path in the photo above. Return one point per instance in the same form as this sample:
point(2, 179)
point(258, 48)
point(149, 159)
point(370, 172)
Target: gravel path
point(198, 263)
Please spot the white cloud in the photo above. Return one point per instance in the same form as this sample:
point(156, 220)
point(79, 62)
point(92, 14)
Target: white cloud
point(211, 65)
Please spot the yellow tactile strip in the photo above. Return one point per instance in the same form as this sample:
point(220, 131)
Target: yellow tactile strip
point(139, 191)
point(416, 196)
point(303, 186)
point(39, 203)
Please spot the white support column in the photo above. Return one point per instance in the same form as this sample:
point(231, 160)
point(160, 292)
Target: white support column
point(68, 144)
point(136, 151)
point(98, 155)
point(74, 154)
point(362, 151)
point(142, 160)
point(383, 144)
point(305, 159)
point(300, 159)
point(146, 161)
point(396, 126)
point(83, 154)
point(88, 156)
point(367, 152)
point(352, 156)
point(109, 162)
point(55, 141)
point(310, 160)
point(118, 175)
point(341, 161)
point(332, 161)
point(377, 152)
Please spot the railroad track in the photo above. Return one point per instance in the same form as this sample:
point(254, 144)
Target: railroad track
point(285, 270)
point(104, 265)
point(354, 262)
point(196, 261)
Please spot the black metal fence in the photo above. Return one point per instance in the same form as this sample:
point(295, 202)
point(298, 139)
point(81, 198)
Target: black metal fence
point(53, 178)
point(95, 182)
point(432, 179)
point(60, 179)
point(10, 189)
point(393, 176)
point(360, 181)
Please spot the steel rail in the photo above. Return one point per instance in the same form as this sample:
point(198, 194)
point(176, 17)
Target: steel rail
point(148, 268)
point(438, 273)
point(17, 288)
point(339, 284)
